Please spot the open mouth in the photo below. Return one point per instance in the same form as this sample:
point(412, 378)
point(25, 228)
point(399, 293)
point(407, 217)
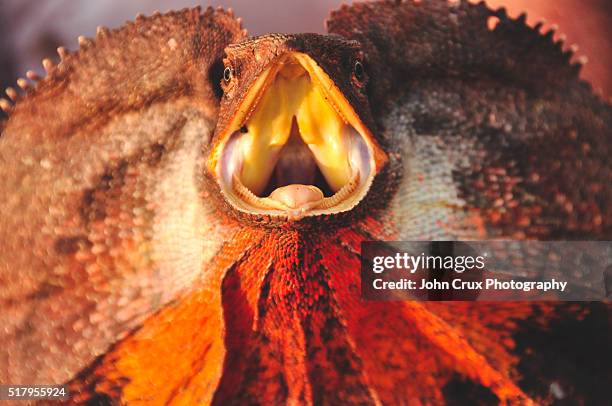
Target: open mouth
point(296, 147)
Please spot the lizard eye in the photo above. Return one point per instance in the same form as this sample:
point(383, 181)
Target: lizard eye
point(358, 71)
point(227, 74)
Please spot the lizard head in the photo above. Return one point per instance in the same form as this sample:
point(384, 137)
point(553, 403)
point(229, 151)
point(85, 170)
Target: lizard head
point(294, 138)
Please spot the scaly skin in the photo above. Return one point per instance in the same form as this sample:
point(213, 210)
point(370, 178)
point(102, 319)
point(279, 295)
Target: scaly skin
point(126, 274)
point(102, 223)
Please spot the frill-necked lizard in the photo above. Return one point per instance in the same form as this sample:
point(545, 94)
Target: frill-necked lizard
point(183, 206)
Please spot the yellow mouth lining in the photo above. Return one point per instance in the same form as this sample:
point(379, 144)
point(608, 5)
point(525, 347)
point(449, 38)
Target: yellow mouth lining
point(295, 90)
point(293, 94)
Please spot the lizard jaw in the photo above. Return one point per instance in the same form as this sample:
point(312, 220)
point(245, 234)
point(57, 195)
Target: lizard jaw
point(296, 147)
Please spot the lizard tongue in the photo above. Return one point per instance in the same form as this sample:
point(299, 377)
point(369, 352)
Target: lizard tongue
point(297, 196)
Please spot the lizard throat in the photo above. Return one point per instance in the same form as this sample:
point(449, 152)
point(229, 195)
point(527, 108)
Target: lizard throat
point(296, 147)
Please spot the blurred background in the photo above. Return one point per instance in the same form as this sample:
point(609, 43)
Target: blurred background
point(31, 30)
